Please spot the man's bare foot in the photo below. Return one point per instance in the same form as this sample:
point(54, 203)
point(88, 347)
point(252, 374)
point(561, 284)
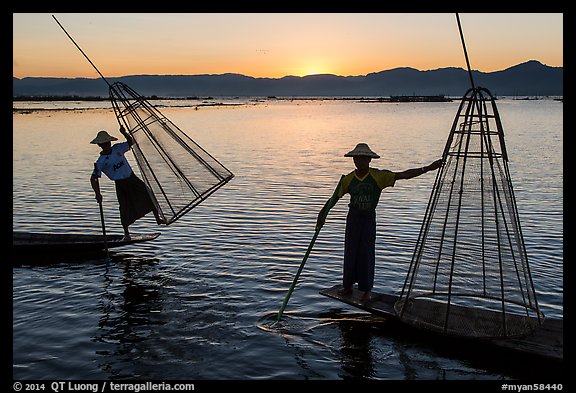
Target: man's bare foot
point(345, 292)
point(366, 296)
point(126, 238)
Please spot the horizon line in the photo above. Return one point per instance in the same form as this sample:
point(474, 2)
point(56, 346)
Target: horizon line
point(292, 76)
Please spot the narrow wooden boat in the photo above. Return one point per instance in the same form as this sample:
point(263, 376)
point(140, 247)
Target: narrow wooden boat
point(545, 342)
point(66, 243)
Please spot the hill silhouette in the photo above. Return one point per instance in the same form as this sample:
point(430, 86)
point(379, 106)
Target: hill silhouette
point(531, 78)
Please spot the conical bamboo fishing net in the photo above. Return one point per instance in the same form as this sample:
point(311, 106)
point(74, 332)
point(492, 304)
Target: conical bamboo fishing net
point(469, 274)
point(179, 173)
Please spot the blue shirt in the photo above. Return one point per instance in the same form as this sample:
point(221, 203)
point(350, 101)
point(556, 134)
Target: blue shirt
point(114, 165)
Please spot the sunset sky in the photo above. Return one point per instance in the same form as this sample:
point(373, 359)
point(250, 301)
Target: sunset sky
point(278, 44)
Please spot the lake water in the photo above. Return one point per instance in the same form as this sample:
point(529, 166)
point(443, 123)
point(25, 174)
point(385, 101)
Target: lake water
point(197, 302)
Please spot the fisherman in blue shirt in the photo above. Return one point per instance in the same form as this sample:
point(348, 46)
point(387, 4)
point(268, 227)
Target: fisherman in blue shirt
point(133, 195)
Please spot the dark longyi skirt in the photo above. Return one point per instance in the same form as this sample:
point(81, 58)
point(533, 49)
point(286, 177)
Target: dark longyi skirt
point(360, 249)
point(133, 198)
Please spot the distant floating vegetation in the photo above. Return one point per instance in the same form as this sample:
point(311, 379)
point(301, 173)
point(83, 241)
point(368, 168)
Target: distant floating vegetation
point(59, 98)
point(94, 98)
point(213, 101)
point(413, 98)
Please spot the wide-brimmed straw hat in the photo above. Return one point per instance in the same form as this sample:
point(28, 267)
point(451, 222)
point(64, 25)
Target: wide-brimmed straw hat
point(103, 137)
point(362, 149)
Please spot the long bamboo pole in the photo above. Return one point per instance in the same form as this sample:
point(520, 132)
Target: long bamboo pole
point(293, 285)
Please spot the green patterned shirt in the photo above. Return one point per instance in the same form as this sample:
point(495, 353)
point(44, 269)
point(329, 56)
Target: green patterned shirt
point(365, 192)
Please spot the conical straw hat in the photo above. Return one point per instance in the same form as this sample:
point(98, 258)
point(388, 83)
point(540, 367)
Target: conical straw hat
point(362, 149)
point(103, 137)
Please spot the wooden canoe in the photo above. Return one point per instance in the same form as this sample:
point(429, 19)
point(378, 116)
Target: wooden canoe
point(546, 342)
point(66, 243)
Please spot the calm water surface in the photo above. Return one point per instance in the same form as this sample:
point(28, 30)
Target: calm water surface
point(197, 302)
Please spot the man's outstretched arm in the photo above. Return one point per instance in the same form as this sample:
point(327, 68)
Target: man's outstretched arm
point(411, 173)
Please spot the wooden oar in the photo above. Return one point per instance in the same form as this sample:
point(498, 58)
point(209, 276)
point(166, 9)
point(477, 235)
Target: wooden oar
point(104, 229)
point(103, 225)
point(329, 204)
point(281, 311)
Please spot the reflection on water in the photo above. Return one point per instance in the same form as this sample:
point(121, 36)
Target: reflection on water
point(198, 302)
point(357, 360)
point(129, 304)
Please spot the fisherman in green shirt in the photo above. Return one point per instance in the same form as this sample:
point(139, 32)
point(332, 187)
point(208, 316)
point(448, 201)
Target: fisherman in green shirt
point(365, 184)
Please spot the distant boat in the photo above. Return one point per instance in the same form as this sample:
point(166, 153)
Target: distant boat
point(44, 244)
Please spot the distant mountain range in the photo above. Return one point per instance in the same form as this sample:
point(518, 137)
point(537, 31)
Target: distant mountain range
point(531, 78)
